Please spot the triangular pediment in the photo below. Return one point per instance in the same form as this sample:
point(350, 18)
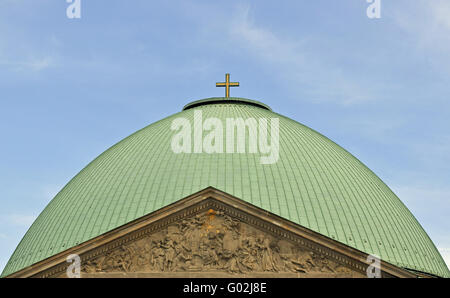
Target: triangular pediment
point(211, 234)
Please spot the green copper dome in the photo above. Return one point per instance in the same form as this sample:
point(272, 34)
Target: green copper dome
point(314, 183)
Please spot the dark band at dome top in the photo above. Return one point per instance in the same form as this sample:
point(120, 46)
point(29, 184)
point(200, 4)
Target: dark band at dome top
point(226, 100)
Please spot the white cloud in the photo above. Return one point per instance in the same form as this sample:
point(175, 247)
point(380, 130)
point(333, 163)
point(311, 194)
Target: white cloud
point(34, 64)
point(20, 220)
point(427, 23)
point(431, 207)
point(441, 11)
point(20, 51)
point(263, 42)
point(50, 191)
point(426, 199)
point(300, 67)
point(445, 253)
point(39, 64)
point(432, 152)
point(379, 128)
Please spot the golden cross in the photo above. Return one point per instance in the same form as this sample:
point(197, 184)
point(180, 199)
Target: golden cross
point(227, 84)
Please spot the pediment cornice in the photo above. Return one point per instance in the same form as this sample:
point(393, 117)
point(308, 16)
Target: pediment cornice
point(215, 233)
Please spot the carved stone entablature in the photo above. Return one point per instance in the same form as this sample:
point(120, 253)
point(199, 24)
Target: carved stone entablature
point(213, 241)
point(212, 234)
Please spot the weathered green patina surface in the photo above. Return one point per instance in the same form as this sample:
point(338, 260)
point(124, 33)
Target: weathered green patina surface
point(315, 183)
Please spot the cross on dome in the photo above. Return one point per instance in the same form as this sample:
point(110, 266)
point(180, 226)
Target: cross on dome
point(227, 84)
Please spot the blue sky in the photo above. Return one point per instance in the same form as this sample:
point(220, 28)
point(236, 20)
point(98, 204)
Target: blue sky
point(71, 88)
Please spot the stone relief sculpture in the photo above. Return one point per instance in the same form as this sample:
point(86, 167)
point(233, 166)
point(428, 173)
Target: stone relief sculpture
point(212, 241)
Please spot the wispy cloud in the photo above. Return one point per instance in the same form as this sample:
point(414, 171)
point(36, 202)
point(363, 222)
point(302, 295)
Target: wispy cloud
point(21, 220)
point(427, 24)
point(34, 65)
point(379, 128)
point(263, 42)
point(430, 205)
point(25, 48)
point(294, 63)
point(441, 12)
point(433, 152)
point(445, 253)
point(49, 192)
point(426, 199)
